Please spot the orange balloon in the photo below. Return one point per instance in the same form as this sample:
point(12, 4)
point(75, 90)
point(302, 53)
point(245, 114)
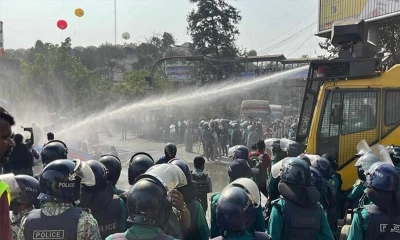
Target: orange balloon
point(79, 12)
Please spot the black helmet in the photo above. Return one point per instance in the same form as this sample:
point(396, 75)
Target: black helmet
point(148, 204)
point(139, 164)
point(170, 150)
point(294, 149)
point(235, 211)
point(54, 150)
point(241, 152)
point(100, 175)
point(383, 176)
point(182, 164)
point(113, 166)
point(30, 190)
point(316, 178)
point(296, 171)
point(305, 158)
point(394, 152)
point(61, 180)
point(332, 160)
point(324, 166)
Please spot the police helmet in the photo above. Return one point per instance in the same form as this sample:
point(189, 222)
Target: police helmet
point(206, 125)
point(332, 160)
point(241, 152)
point(53, 150)
point(383, 176)
point(182, 164)
point(394, 153)
point(113, 166)
point(201, 123)
point(316, 178)
point(296, 171)
point(250, 128)
point(294, 149)
point(61, 180)
point(235, 211)
point(305, 158)
point(170, 150)
point(148, 204)
point(30, 190)
point(366, 161)
point(139, 164)
point(100, 175)
point(323, 165)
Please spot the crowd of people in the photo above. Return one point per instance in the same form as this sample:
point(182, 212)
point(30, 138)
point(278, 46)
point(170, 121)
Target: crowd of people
point(74, 199)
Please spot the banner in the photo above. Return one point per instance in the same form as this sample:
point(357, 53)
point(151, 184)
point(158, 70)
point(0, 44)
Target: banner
point(331, 11)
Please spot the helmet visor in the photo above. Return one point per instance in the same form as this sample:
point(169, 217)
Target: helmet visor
point(12, 183)
point(284, 144)
point(85, 172)
point(276, 169)
point(250, 186)
point(362, 148)
point(170, 175)
point(381, 152)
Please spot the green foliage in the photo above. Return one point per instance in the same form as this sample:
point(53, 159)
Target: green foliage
point(212, 27)
point(132, 84)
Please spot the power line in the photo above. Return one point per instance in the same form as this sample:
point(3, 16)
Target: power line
point(299, 33)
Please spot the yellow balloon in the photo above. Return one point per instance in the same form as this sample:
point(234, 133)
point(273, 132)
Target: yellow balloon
point(79, 12)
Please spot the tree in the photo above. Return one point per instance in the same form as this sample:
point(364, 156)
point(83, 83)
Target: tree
point(389, 38)
point(213, 27)
point(252, 53)
point(155, 48)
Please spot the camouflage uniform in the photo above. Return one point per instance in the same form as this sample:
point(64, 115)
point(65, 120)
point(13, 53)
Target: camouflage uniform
point(87, 225)
point(16, 221)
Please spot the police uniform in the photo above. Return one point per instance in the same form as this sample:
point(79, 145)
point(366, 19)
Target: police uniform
point(368, 222)
point(329, 203)
point(16, 221)
point(199, 227)
point(111, 218)
point(258, 225)
point(117, 191)
point(141, 232)
point(287, 217)
point(243, 236)
point(204, 186)
point(61, 218)
point(356, 193)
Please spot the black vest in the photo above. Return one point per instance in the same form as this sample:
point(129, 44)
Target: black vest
point(108, 218)
point(378, 221)
point(200, 180)
point(63, 226)
point(121, 236)
point(301, 223)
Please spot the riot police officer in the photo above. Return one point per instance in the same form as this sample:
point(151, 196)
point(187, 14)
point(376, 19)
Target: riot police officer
point(169, 151)
point(239, 168)
point(297, 213)
point(379, 220)
point(235, 213)
point(138, 164)
point(107, 208)
point(113, 166)
point(60, 186)
point(199, 227)
point(52, 150)
point(149, 206)
point(277, 155)
point(24, 192)
point(394, 152)
point(328, 198)
point(362, 165)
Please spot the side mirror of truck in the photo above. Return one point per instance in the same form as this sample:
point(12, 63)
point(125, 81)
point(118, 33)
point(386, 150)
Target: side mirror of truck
point(337, 113)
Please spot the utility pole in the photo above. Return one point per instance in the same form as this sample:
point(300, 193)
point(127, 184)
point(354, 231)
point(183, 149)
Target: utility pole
point(115, 22)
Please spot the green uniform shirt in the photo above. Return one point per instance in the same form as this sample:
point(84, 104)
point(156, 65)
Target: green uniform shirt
point(356, 193)
point(358, 226)
point(138, 231)
point(202, 225)
point(258, 225)
point(275, 226)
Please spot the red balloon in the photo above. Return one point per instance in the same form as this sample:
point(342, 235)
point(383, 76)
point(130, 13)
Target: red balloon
point(62, 24)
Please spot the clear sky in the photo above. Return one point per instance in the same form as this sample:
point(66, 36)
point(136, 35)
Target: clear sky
point(265, 23)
